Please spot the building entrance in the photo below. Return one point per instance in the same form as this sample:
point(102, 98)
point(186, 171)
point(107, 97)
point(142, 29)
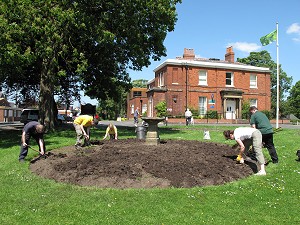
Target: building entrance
point(230, 109)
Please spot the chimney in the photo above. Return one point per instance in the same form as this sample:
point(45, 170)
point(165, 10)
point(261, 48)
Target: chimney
point(188, 53)
point(229, 56)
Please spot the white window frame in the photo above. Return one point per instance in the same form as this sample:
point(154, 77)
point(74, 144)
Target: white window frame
point(132, 109)
point(253, 102)
point(231, 79)
point(161, 79)
point(144, 108)
point(253, 80)
point(203, 77)
point(202, 105)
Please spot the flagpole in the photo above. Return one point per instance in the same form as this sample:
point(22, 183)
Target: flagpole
point(277, 102)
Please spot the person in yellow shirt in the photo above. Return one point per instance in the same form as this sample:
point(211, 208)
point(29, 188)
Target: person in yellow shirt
point(112, 131)
point(82, 125)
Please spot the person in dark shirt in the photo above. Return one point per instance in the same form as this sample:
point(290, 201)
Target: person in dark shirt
point(35, 130)
point(261, 122)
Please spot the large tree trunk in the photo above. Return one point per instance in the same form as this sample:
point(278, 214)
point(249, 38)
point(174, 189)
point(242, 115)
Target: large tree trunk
point(46, 100)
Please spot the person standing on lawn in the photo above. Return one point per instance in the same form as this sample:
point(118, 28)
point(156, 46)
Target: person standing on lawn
point(112, 131)
point(136, 116)
point(82, 125)
point(245, 137)
point(35, 130)
point(260, 121)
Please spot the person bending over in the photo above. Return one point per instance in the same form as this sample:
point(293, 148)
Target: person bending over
point(82, 125)
point(112, 132)
point(35, 130)
point(245, 137)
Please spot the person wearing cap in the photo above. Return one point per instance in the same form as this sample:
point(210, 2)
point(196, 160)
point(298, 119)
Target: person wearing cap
point(82, 125)
point(112, 131)
point(245, 137)
point(260, 121)
point(35, 130)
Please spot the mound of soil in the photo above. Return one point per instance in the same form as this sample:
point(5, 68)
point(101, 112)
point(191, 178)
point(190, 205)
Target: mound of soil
point(133, 164)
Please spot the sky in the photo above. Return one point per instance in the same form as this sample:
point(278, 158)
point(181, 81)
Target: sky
point(209, 27)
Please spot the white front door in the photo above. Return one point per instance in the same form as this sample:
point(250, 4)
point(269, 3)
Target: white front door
point(230, 109)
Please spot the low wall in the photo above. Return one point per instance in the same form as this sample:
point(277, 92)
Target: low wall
point(221, 121)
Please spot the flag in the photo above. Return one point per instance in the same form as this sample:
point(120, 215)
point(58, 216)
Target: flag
point(269, 38)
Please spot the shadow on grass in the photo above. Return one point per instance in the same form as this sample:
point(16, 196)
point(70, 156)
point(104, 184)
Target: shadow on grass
point(10, 138)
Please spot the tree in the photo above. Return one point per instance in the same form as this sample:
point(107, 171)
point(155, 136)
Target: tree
point(141, 83)
point(293, 101)
point(263, 59)
point(91, 42)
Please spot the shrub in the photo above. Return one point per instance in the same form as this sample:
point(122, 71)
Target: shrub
point(268, 114)
point(212, 114)
point(161, 109)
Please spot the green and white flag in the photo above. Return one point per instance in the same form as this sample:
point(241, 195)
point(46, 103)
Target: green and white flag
point(269, 38)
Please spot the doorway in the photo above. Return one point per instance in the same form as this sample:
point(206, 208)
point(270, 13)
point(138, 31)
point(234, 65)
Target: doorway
point(230, 109)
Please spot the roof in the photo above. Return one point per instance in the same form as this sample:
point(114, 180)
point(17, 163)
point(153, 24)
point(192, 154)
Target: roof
point(4, 102)
point(209, 63)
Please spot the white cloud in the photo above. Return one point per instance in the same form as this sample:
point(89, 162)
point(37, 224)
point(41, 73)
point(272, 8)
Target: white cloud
point(293, 29)
point(296, 39)
point(245, 47)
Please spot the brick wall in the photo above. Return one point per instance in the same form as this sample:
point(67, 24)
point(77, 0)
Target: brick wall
point(181, 87)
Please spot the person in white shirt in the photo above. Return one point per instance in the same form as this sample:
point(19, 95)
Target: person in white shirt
point(188, 116)
point(245, 137)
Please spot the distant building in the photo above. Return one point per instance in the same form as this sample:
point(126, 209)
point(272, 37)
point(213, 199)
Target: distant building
point(203, 85)
point(137, 97)
point(8, 111)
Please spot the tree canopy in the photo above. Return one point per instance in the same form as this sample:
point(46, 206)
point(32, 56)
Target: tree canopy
point(55, 46)
point(263, 59)
point(293, 100)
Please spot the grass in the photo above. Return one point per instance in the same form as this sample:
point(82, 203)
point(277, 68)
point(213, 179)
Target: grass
point(28, 199)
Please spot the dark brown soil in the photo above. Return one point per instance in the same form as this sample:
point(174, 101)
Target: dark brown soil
point(133, 164)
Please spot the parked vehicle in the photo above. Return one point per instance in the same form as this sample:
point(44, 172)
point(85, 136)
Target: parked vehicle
point(28, 115)
point(60, 118)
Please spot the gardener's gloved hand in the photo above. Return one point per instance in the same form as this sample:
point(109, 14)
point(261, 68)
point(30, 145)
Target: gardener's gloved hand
point(238, 158)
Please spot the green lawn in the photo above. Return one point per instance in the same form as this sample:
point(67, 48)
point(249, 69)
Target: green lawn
point(28, 199)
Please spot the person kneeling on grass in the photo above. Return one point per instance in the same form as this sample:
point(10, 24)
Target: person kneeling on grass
point(245, 137)
point(112, 131)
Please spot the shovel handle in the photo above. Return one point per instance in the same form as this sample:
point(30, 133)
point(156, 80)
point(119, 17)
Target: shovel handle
point(33, 149)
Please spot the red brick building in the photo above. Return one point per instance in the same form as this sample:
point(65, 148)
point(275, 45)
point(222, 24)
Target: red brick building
point(208, 84)
point(137, 97)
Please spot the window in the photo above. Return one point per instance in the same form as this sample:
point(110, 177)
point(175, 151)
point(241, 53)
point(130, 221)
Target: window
point(137, 94)
point(202, 105)
point(132, 109)
point(253, 102)
point(144, 108)
point(202, 77)
point(161, 79)
point(229, 79)
point(253, 81)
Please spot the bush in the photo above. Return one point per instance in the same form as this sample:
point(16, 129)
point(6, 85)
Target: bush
point(161, 109)
point(268, 114)
point(211, 114)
